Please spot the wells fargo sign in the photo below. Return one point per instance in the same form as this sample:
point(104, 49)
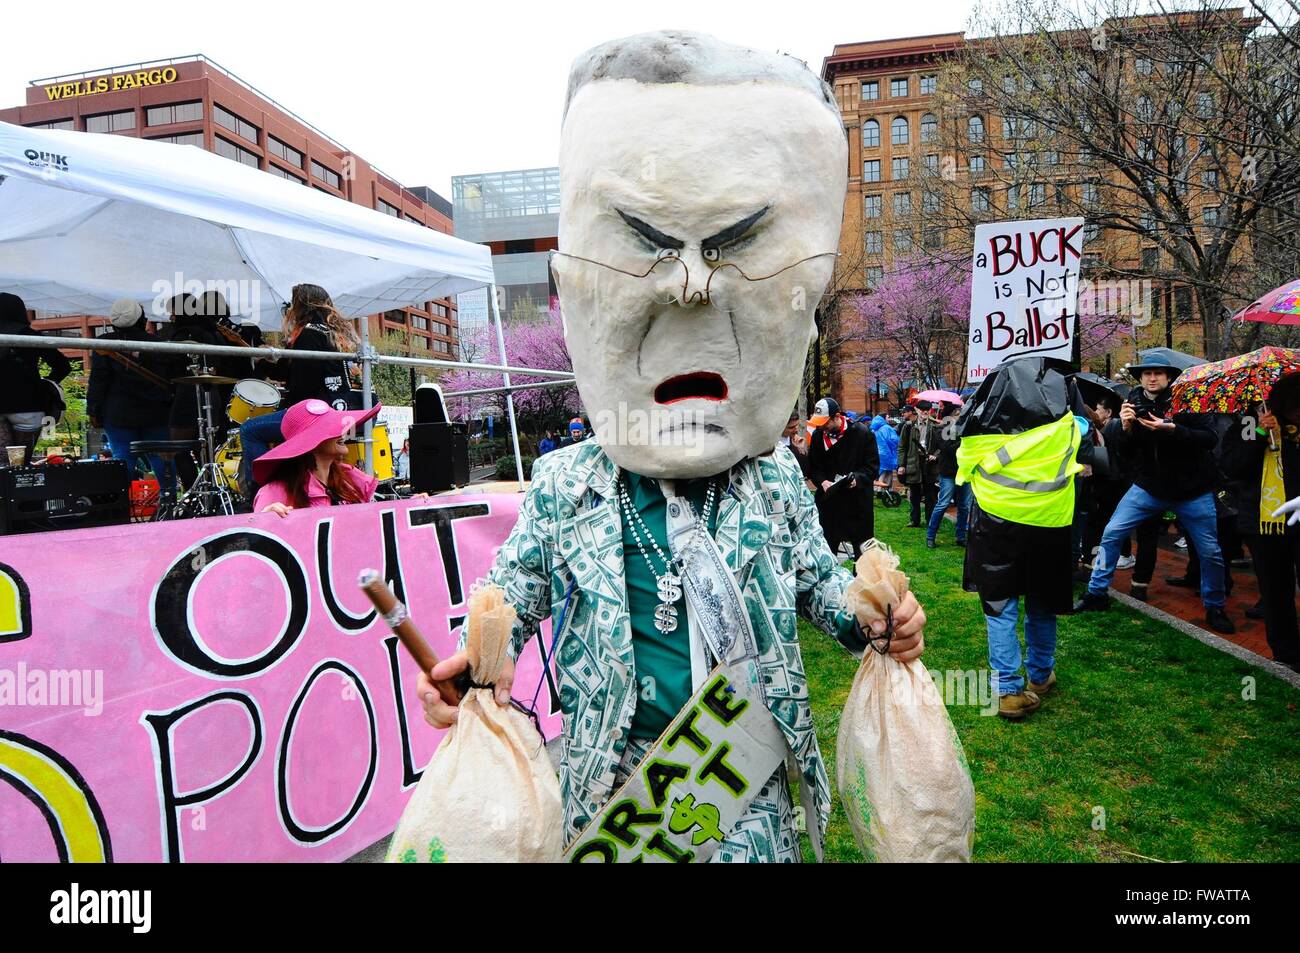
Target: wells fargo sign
point(111, 84)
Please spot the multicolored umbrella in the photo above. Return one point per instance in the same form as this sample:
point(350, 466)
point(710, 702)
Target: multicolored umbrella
point(936, 397)
point(1234, 385)
point(1279, 306)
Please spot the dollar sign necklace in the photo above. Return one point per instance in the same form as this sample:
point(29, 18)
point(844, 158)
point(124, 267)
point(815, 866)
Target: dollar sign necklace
point(669, 584)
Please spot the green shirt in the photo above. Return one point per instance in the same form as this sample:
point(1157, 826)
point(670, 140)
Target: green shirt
point(662, 659)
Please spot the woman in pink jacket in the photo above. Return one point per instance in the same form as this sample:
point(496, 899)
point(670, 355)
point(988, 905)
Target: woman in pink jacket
point(308, 468)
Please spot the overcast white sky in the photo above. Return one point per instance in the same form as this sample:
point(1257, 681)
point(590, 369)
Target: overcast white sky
point(426, 91)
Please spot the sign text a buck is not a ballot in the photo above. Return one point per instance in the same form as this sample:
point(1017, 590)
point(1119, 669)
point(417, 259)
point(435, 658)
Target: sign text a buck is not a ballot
point(1024, 291)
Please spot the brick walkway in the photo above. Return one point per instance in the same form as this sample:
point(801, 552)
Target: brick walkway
point(1186, 603)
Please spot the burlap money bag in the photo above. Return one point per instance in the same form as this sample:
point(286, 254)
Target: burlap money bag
point(900, 767)
point(489, 793)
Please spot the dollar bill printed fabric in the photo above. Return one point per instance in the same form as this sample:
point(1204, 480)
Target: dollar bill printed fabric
point(569, 531)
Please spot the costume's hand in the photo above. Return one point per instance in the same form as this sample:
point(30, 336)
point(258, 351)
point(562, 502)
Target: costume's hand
point(909, 625)
point(279, 509)
point(1293, 508)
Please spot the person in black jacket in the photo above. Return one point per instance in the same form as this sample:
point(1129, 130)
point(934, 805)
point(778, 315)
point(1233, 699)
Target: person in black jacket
point(311, 323)
point(946, 467)
point(127, 403)
point(1274, 544)
point(1173, 469)
point(22, 404)
point(843, 462)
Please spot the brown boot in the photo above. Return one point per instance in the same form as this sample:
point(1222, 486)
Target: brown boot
point(1045, 688)
point(1020, 705)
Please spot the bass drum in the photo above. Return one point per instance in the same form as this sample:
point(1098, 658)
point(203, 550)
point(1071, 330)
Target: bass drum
point(251, 398)
point(228, 457)
point(381, 451)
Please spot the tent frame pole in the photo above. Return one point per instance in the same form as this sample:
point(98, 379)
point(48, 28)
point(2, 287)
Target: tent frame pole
point(510, 399)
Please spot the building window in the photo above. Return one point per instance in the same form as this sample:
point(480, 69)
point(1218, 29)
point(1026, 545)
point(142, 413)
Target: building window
point(975, 129)
point(979, 200)
point(53, 124)
point(284, 152)
point(931, 238)
point(870, 134)
point(228, 149)
point(902, 203)
point(871, 206)
point(931, 161)
point(111, 122)
point(176, 112)
point(1205, 105)
point(1013, 197)
point(898, 88)
point(975, 86)
point(1145, 110)
point(873, 243)
point(419, 323)
point(1150, 259)
point(929, 202)
point(1037, 194)
point(1143, 66)
point(977, 165)
point(902, 241)
point(388, 209)
point(276, 170)
point(1210, 215)
point(1090, 232)
point(240, 127)
point(1210, 178)
point(899, 134)
point(870, 90)
point(441, 310)
point(900, 169)
point(871, 170)
point(929, 128)
point(874, 275)
point(328, 176)
point(1009, 84)
point(1008, 127)
point(1091, 194)
point(928, 85)
point(183, 139)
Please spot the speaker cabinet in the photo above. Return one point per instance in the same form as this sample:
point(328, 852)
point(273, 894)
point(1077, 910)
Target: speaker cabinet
point(439, 457)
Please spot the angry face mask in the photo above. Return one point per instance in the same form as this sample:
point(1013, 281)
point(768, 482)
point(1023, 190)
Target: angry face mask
point(698, 227)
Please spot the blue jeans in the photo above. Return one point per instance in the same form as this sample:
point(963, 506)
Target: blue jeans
point(948, 489)
point(255, 438)
point(1004, 645)
point(119, 442)
point(1199, 522)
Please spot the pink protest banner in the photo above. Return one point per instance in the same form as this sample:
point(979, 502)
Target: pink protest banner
point(220, 689)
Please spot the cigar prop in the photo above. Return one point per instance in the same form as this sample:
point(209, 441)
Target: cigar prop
point(399, 620)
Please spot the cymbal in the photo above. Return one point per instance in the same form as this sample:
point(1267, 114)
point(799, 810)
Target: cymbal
point(205, 380)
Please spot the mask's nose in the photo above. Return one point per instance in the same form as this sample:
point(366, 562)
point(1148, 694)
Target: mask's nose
point(687, 281)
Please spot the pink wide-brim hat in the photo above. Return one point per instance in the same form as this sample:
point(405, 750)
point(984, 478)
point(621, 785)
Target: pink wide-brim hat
point(305, 426)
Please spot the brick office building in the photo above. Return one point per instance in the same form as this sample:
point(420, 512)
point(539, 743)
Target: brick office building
point(193, 101)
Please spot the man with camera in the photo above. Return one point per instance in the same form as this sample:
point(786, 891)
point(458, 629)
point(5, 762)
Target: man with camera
point(1173, 469)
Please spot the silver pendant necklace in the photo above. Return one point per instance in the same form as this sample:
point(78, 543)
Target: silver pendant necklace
point(669, 583)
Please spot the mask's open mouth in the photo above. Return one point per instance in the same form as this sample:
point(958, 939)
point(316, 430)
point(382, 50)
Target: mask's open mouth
point(702, 385)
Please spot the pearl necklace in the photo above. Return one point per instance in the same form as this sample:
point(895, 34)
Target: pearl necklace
point(669, 584)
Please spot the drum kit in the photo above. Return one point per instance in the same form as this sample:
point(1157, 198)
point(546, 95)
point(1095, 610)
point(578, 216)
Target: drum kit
point(216, 489)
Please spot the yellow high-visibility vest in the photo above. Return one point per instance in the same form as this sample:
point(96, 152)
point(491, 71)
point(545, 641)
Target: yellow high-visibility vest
point(1026, 477)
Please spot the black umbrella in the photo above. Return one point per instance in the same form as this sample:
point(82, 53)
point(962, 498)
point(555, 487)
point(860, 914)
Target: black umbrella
point(1096, 389)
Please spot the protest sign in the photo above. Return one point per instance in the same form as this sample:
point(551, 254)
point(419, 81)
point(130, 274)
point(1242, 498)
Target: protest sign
point(220, 689)
point(1024, 291)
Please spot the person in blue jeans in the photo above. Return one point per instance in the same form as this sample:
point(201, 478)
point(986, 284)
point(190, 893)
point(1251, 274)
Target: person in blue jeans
point(1173, 469)
point(1004, 646)
point(948, 488)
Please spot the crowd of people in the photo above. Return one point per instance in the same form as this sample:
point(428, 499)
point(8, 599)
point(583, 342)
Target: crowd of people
point(1056, 513)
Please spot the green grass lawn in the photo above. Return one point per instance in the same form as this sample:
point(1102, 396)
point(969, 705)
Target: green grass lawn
point(1146, 724)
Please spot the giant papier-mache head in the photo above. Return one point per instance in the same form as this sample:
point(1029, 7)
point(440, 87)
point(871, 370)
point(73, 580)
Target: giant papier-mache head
point(702, 187)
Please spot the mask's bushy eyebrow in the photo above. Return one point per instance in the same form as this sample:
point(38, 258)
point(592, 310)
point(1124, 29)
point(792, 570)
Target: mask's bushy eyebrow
point(732, 232)
point(649, 232)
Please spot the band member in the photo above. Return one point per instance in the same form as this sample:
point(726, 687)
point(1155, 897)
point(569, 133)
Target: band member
point(129, 395)
point(311, 323)
point(22, 404)
point(309, 468)
point(698, 543)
